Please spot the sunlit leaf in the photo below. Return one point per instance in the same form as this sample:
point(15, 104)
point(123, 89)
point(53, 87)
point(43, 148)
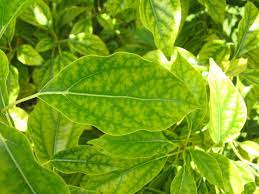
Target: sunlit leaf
point(148, 97)
point(227, 108)
point(163, 19)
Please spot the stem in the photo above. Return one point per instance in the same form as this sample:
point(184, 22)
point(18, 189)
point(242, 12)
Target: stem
point(19, 101)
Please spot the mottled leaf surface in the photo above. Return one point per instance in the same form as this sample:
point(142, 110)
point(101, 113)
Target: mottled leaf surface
point(85, 159)
point(195, 83)
point(19, 172)
point(51, 132)
point(227, 108)
point(140, 144)
point(129, 180)
point(163, 19)
point(139, 94)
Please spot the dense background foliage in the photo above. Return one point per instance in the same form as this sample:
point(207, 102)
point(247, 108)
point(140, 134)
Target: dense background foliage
point(154, 96)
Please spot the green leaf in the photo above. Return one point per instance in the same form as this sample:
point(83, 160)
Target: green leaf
point(51, 132)
point(9, 12)
point(251, 76)
point(216, 9)
point(227, 108)
point(231, 174)
point(19, 172)
point(140, 144)
point(27, 55)
point(219, 50)
point(208, 167)
point(157, 56)
point(248, 30)
point(45, 44)
point(252, 148)
point(183, 183)
point(116, 6)
point(85, 159)
point(163, 19)
point(195, 83)
point(119, 94)
point(68, 14)
point(83, 26)
point(87, 44)
point(4, 72)
point(38, 14)
point(134, 178)
point(13, 86)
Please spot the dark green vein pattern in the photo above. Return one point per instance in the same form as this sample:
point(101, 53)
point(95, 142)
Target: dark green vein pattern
point(119, 94)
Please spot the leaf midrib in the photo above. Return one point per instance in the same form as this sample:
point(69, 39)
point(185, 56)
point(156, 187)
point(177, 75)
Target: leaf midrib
point(65, 93)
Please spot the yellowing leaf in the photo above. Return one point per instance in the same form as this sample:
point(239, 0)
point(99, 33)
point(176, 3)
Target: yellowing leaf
point(119, 94)
point(163, 19)
point(227, 108)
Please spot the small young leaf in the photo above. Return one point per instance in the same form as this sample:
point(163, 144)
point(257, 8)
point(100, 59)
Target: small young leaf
point(87, 44)
point(129, 180)
point(208, 167)
point(140, 144)
point(119, 94)
point(44, 45)
point(183, 183)
point(163, 19)
point(19, 172)
point(85, 159)
point(227, 108)
point(28, 55)
point(51, 132)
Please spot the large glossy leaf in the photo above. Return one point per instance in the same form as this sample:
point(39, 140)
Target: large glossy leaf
point(19, 172)
point(27, 55)
point(248, 30)
point(79, 190)
point(119, 94)
point(51, 132)
point(195, 83)
point(227, 108)
point(9, 10)
point(208, 167)
point(129, 180)
point(86, 159)
point(163, 19)
point(216, 9)
point(140, 144)
point(183, 183)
